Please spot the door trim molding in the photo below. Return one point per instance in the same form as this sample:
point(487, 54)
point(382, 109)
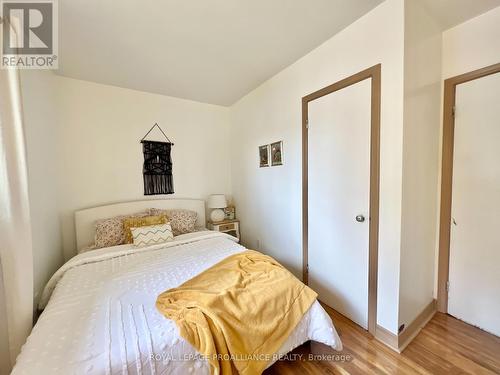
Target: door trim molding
point(450, 86)
point(373, 73)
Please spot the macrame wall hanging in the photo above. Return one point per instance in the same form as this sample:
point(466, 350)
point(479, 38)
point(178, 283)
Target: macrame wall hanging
point(157, 168)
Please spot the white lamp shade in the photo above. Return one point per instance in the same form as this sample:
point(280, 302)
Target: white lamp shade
point(217, 201)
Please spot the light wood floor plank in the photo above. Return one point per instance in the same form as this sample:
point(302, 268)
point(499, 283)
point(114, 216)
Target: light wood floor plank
point(445, 346)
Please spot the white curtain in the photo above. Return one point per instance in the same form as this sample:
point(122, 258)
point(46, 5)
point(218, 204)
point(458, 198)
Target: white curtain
point(16, 257)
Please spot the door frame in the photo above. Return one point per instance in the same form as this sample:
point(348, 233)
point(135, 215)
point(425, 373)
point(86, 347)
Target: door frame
point(450, 88)
point(373, 73)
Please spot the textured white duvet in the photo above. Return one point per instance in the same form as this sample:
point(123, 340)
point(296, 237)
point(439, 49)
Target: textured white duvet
point(100, 315)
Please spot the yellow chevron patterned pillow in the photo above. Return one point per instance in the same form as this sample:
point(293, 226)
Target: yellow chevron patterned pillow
point(152, 234)
point(135, 222)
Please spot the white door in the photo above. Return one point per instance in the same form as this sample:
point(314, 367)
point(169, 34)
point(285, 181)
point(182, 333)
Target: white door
point(339, 181)
point(474, 294)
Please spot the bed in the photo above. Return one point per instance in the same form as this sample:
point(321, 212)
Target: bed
point(99, 314)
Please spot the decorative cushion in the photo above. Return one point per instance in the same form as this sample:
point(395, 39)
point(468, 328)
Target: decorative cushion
point(152, 234)
point(135, 222)
point(109, 232)
point(182, 221)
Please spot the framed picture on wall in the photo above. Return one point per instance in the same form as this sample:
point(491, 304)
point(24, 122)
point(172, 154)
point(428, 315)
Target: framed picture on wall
point(264, 156)
point(277, 153)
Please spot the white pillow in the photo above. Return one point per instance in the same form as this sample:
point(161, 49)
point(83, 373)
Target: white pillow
point(152, 234)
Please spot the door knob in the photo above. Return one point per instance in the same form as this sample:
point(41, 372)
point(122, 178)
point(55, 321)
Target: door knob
point(360, 218)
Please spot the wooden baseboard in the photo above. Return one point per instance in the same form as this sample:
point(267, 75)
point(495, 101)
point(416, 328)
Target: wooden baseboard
point(387, 337)
point(412, 330)
point(399, 342)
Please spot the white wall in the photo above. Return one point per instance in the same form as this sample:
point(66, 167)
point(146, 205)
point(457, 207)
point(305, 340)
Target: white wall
point(268, 200)
point(472, 45)
point(466, 47)
point(100, 157)
point(40, 122)
point(420, 159)
point(83, 150)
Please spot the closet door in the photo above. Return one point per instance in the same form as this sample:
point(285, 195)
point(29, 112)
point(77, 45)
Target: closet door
point(338, 199)
point(474, 276)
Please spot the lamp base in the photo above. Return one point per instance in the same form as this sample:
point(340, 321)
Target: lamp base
point(217, 215)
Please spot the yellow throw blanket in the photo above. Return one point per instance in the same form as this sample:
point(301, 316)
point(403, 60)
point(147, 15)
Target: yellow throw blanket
point(239, 312)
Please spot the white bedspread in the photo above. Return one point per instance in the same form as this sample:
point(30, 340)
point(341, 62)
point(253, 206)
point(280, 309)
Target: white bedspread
point(100, 315)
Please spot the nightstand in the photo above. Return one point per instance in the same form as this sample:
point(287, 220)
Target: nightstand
point(231, 227)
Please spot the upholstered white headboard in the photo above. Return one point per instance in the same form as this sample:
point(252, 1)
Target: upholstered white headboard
point(85, 219)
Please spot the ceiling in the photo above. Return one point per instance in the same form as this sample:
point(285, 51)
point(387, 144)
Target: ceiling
point(450, 13)
point(212, 51)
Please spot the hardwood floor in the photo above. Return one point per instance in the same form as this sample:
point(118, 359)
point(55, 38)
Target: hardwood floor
point(445, 346)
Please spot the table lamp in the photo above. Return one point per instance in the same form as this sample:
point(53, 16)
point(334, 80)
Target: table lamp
point(217, 201)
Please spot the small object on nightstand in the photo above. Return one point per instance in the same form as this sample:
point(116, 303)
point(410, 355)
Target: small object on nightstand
point(217, 201)
point(230, 212)
point(231, 227)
